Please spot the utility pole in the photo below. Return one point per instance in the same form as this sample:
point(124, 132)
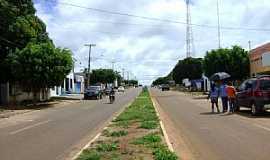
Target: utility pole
point(113, 62)
point(219, 34)
point(249, 45)
point(123, 72)
point(89, 62)
point(128, 77)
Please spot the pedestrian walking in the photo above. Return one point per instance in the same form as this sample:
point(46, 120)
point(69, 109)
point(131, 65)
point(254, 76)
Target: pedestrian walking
point(213, 95)
point(224, 97)
point(231, 91)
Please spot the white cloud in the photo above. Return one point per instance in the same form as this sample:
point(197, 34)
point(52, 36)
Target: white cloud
point(149, 48)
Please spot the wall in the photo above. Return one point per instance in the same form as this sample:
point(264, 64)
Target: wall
point(259, 58)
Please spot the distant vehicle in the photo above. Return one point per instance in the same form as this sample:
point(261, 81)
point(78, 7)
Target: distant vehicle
point(121, 89)
point(254, 93)
point(112, 97)
point(165, 87)
point(93, 92)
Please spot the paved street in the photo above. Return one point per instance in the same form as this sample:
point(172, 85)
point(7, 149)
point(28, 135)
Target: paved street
point(214, 136)
point(58, 132)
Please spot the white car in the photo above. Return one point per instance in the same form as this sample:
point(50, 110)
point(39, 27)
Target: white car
point(121, 89)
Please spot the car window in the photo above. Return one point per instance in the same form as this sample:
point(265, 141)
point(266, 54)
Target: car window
point(243, 86)
point(265, 84)
point(254, 84)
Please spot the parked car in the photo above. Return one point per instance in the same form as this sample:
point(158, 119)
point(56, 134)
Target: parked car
point(93, 92)
point(254, 93)
point(121, 89)
point(165, 87)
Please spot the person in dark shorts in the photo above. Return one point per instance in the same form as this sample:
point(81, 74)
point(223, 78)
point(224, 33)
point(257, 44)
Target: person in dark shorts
point(213, 95)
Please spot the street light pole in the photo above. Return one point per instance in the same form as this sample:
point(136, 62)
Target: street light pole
point(89, 62)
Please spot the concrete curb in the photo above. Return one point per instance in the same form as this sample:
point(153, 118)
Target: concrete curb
point(99, 133)
point(168, 142)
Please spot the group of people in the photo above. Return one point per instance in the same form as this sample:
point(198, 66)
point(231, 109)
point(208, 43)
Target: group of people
point(226, 92)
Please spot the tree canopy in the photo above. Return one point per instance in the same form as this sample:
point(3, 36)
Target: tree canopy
point(40, 66)
point(27, 54)
point(19, 26)
point(188, 68)
point(161, 80)
point(234, 61)
point(103, 76)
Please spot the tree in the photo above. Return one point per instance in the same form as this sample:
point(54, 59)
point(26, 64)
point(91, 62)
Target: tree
point(19, 26)
point(131, 82)
point(188, 68)
point(40, 66)
point(161, 80)
point(234, 61)
point(103, 76)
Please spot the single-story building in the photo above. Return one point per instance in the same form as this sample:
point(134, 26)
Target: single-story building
point(14, 93)
point(260, 60)
point(73, 83)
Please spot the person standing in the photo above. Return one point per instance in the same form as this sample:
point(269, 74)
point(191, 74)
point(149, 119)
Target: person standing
point(213, 95)
point(231, 91)
point(224, 97)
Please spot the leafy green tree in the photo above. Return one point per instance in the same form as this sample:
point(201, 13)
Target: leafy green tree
point(161, 80)
point(188, 68)
point(19, 26)
point(40, 66)
point(234, 61)
point(103, 76)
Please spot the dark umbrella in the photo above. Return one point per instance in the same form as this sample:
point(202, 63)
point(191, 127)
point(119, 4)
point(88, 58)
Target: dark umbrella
point(219, 76)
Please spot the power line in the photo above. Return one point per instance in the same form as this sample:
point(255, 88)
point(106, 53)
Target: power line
point(162, 20)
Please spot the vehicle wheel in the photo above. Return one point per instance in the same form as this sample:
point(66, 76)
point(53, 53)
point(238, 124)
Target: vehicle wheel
point(255, 110)
point(237, 107)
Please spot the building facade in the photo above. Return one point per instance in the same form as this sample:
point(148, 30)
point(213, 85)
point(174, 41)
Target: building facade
point(260, 60)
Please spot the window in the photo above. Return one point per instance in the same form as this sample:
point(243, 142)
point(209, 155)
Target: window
point(243, 86)
point(265, 84)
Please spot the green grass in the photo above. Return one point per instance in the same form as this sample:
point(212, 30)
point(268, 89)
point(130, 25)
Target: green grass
point(163, 153)
point(160, 151)
point(149, 125)
point(89, 155)
point(115, 133)
point(148, 139)
point(142, 110)
point(107, 147)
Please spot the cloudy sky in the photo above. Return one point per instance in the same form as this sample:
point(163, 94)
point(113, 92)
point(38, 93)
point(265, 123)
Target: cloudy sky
point(150, 47)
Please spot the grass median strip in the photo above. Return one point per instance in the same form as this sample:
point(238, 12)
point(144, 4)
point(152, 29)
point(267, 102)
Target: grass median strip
point(134, 134)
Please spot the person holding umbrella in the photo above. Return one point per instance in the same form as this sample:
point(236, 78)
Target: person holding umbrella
point(213, 95)
point(220, 77)
point(224, 96)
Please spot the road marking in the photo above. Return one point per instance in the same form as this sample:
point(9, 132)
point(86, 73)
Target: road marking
point(86, 146)
point(165, 134)
point(260, 126)
point(29, 127)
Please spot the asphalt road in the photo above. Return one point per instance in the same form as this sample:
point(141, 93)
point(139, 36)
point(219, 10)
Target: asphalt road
point(57, 133)
point(215, 136)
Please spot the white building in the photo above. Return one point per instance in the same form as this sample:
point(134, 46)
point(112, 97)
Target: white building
point(73, 84)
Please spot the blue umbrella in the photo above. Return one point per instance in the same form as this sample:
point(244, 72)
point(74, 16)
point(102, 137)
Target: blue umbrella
point(219, 76)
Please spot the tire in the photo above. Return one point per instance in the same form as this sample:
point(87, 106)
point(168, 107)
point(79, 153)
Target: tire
point(255, 110)
point(237, 107)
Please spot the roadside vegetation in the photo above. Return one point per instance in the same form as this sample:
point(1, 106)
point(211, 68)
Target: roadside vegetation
point(134, 134)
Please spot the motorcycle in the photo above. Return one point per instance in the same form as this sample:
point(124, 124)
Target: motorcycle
point(112, 98)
